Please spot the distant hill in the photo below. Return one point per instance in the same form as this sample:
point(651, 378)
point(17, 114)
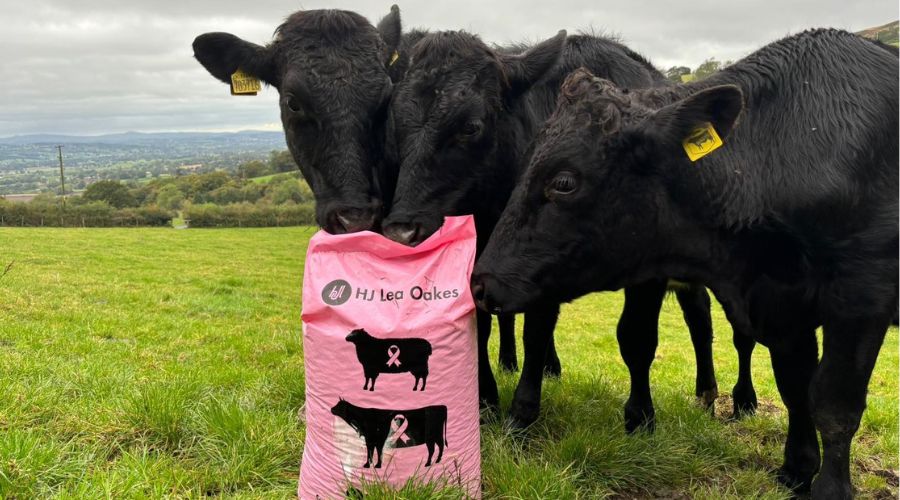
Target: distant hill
point(28, 163)
point(140, 138)
point(39, 150)
point(887, 33)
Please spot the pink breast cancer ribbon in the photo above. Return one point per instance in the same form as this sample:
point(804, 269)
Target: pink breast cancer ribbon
point(399, 430)
point(394, 353)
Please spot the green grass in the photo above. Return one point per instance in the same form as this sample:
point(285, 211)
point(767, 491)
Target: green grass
point(144, 363)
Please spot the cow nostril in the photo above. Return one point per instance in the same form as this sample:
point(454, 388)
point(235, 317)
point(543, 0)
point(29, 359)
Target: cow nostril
point(353, 220)
point(408, 235)
point(344, 220)
point(403, 233)
point(477, 289)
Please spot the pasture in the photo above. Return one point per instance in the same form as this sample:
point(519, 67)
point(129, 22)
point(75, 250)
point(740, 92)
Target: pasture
point(155, 362)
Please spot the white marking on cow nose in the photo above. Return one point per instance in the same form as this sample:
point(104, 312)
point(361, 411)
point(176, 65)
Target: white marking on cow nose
point(347, 223)
point(407, 235)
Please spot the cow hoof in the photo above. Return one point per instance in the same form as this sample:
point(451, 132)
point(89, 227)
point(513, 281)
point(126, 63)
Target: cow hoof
point(825, 487)
point(490, 405)
point(553, 369)
point(489, 413)
point(366, 465)
point(523, 413)
point(798, 483)
point(707, 399)
point(378, 465)
point(427, 464)
point(744, 401)
point(639, 419)
point(509, 364)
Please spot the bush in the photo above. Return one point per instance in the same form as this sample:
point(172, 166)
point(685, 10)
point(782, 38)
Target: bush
point(169, 197)
point(249, 215)
point(89, 214)
point(113, 192)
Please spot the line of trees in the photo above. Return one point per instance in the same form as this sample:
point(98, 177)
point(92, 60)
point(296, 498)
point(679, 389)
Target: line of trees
point(680, 74)
point(92, 214)
point(250, 215)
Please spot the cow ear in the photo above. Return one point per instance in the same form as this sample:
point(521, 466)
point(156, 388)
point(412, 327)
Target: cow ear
point(223, 53)
point(721, 106)
point(391, 30)
point(523, 70)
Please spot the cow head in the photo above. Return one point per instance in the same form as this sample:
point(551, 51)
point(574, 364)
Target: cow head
point(443, 125)
point(357, 335)
point(594, 205)
point(345, 411)
point(330, 70)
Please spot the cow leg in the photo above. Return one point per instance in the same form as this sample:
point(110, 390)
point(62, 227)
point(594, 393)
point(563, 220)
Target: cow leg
point(424, 379)
point(508, 359)
point(489, 397)
point(372, 385)
point(379, 447)
point(794, 362)
point(743, 395)
point(416, 385)
point(440, 445)
point(838, 395)
point(551, 362)
point(694, 301)
point(537, 330)
point(638, 336)
point(370, 447)
point(430, 446)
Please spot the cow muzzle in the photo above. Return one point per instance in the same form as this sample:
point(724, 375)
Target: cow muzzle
point(410, 233)
point(352, 220)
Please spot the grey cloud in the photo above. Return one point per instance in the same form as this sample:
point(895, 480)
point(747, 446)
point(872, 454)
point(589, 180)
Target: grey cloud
point(96, 66)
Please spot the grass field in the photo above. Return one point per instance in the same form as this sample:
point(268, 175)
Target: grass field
point(143, 363)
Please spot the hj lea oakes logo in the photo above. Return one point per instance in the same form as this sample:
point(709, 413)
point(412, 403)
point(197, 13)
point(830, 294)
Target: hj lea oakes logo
point(337, 292)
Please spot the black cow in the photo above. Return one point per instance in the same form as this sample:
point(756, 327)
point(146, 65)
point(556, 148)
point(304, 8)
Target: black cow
point(333, 71)
point(793, 223)
point(390, 356)
point(460, 125)
point(404, 428)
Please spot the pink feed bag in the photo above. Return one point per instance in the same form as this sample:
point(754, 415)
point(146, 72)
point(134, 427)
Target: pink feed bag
point(389, 347)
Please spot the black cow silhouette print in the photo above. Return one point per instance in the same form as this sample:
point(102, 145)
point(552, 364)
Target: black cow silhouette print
point(390, 356)
point(402, 428)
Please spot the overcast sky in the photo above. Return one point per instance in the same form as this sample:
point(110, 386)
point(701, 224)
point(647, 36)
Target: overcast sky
point(100, 66)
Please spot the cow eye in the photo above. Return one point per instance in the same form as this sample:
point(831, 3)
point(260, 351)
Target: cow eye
point(562, 184)
point(471, 128)
point(293, 103)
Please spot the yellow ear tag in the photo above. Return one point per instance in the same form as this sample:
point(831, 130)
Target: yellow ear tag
point(244, 84)
point(394, 57)
point(702, 141)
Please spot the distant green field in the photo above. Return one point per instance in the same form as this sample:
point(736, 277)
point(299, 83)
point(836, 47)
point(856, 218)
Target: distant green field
point(145, 363)
point(265, 179)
